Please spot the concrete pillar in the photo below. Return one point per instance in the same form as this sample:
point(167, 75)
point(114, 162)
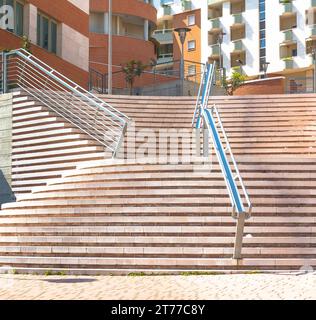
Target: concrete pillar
point(30, 22)
point(146, 30)
point(204, 32)
point(106, 23)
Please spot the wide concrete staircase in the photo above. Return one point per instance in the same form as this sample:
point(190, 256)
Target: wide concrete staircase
point(44, 144)
point(120, 216)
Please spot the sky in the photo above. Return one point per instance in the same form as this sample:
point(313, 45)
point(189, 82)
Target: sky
point(157, 2)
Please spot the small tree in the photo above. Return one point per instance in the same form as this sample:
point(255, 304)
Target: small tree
point(26, 44)
point(133, 69)
point(237, 80)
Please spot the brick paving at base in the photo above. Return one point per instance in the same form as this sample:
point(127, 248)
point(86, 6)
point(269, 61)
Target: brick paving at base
point(255, 286)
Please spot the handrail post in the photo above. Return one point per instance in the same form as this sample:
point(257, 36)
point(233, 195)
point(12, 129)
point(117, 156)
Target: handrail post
point(206, 144)
point(4, 73)
point(120, 142)
point(239, 236)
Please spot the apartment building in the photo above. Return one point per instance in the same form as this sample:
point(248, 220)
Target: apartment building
point(175, 14)
point(58, 31)
point(275, 34)
point(133, 21)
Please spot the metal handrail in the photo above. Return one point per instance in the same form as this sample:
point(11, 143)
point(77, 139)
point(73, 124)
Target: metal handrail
point(212, 120)
point(204, 92)
point(92, 115)
point(70, 84)
point(237, 176)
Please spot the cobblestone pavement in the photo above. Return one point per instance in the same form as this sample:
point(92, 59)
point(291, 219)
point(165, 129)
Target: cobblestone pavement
point(255, 286)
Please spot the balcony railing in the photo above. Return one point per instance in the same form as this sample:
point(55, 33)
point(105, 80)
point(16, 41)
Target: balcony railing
point(166, 2)
point(238, 18)
point(288, 36)
point(238, 45)
point(288, 63)
point(187, 5)
point(215, 23)
point(163, 36)
point(167, 10)
point(215, 51)
point(287, 7)
point(165, 58)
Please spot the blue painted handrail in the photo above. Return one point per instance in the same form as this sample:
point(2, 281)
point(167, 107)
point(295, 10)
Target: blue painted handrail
point(223, 161)
point(204, 93)
point(210, 118)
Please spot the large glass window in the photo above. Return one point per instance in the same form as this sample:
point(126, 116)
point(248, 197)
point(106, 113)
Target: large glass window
point(46, 33)
point(18, 8)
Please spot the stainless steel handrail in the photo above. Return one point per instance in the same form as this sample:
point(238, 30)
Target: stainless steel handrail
point(92, 115)
point(237, 176)
point(229, 168)
point(69, 83)
point(207, 81)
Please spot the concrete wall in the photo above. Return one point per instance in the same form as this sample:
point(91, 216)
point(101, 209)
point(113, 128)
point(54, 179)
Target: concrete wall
point(74, 47)
point(6, 194)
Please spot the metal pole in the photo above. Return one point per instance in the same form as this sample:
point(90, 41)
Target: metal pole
point(110, 51)
point(182, 69)
point(4, 73)
point(239, 235)
point(314, 61)
point(182, 61)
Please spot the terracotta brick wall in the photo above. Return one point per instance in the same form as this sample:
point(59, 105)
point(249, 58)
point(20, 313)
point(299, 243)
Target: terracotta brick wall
point(264, 86)
point(10, 41)
point(129, 7)
point(65, 12)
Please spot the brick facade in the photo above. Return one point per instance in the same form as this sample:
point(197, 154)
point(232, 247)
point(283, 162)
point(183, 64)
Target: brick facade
point(262, 86)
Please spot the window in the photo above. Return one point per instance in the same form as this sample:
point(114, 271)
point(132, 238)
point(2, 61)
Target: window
point(262, 33)
point(191, 45)
point(46, 33)
point(191, 20)
point(18, 9)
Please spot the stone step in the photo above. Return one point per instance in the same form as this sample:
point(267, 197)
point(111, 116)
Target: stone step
point(54, 153)
point(40, 128)
point(168, 192)
point(75, 137)
point(161, 240)
point(52, 133)
point(35, 115)
point(83, 251)
point(55, 145)
point(154, 263)
point(177, 219)
point(159, 210)
point(31, 123)
point(159, 229)
point(76, 159)
point(32, 108)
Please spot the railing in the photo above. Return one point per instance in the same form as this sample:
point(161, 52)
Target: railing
point(2, 73)
point(160, 79)
point(208, 78)
point(297, 85)
point(92, 115)
point(211, 120)
point(97, 81)
point(163, 37)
